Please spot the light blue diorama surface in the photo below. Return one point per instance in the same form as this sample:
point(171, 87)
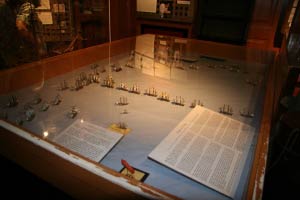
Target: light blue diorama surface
point(214, 82)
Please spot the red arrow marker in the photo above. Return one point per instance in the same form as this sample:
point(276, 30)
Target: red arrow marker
point(127, 166)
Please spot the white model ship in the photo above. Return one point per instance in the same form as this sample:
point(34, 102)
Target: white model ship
point(122, 125)
point(122, 101)
point(178, 101)
point(151, 92)
point(12, 101)
point(226, 109)
point(134, 89)
point(164, 97)
point(29, 114)
point(195, 103)
point(122, 86)
point(56, 100)
point(73, 112)
point(247, 113)
point(44, 107)
point(63, 85)
point(108, 82)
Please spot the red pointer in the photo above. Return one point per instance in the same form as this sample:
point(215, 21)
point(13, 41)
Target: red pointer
point(127, 166)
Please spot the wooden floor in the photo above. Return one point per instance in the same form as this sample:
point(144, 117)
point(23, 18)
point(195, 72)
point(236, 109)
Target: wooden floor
point(17, 182)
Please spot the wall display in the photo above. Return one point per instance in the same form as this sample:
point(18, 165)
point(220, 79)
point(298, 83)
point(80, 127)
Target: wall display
point(144, 101)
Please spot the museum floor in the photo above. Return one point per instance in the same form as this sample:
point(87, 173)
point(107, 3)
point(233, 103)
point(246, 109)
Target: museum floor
point(17, 182)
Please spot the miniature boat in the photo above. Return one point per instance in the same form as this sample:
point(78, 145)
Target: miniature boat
point(122, 102)
point(195, 103)
point(134, 89)
point(151, 92)
point(29, 114)
point(226, 109)
point(164, 97)
point(63, 85)
point(12, 102)
point(57, 100)
point(178, 101)
point(37, 99)
point(122, 86)
point(246, 114)
point(44, 107)
point(73, 112)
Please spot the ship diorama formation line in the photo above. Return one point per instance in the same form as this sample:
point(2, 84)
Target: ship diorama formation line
point(84, 79)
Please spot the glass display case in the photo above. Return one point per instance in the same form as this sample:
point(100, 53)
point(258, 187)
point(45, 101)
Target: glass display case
point(80, 118)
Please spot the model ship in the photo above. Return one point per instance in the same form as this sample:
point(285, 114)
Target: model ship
point(122, 101)
point(234, 68)
point(108, 82)
point(251, 82)
point(134, 89)
point(151, 92)
point(116, 68)
point(94, 66)
point(37, 99)
point(12, 101)
point(178, 101)
point(195, 103)
point(247, 113)
point(129, 64)
point(212, 66)
point(194, 67)
point(44, 107)
point(95, 77)
point(124, 112)
point(29, 114)
point(73, 112)
point(19, 121)
point(78, 85)
point(63, 85)
point(122, 125)
point(164, 97)
point(85, 81)
point(122, 86)
point(56, 100)
point(226, 109)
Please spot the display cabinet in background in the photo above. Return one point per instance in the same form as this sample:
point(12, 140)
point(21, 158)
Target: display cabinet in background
point(91, 21)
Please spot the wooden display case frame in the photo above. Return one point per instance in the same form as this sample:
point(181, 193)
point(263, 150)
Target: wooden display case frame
point(83, 178)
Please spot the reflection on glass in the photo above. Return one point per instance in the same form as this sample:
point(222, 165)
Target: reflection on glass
point(34, 29)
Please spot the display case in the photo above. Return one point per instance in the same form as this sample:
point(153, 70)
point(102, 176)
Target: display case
point(108, 87)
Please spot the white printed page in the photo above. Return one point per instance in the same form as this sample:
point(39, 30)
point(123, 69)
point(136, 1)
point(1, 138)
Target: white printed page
point(87, 139)
point(208, 147)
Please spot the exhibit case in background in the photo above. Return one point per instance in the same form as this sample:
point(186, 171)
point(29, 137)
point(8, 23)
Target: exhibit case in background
point(78, 119)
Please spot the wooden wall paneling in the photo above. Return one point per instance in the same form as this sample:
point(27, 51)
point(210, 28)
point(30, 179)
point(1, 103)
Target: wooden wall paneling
point(264, 22)
point(123, 17)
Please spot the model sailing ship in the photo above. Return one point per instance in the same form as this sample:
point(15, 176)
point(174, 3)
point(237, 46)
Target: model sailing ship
point(195, 103)
point(134, 89)
point(164, 97)
point(226, 109)
point(12, 101)
point(178, 101)
point(108, 82)
point(151, 92)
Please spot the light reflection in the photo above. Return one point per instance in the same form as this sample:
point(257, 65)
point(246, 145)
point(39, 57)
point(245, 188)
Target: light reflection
point(46, 133)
